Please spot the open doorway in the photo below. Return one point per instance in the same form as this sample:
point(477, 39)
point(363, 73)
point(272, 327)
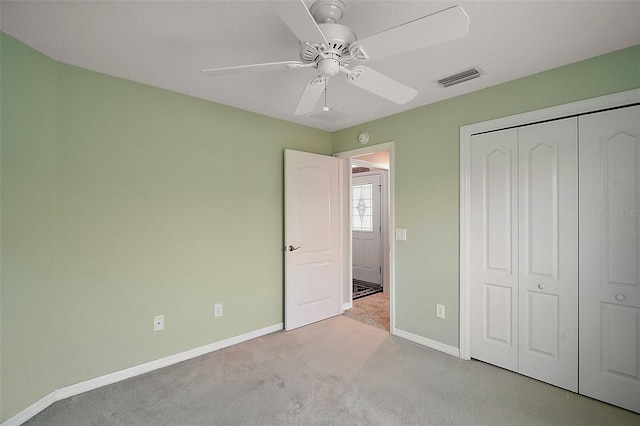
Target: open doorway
point(368, 219)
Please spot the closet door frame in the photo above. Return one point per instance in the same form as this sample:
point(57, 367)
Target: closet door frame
point(466, 132)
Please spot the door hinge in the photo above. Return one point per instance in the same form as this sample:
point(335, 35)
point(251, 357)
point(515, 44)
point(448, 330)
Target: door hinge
point(381, 269)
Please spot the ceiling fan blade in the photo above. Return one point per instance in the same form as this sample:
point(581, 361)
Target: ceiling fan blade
point(299, 20)
point(448, 24)
point(381, 85)
point(310, 96)
point(270, 66)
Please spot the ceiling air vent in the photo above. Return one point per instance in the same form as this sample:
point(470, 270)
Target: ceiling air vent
point(460, 77)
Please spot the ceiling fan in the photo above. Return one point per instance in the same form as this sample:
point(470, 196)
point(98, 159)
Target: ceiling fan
point(330, 48)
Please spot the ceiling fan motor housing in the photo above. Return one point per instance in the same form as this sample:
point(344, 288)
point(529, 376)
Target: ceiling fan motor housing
point(339, 37)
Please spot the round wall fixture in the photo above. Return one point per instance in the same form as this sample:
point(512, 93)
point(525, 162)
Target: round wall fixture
point(363, 137)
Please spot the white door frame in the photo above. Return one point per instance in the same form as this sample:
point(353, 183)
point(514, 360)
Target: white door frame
point(575, 108)
point(345, 187)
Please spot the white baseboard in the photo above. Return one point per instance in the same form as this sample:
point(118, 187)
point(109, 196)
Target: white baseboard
point(31, 410)
point(128, 373)
point(450, 350)
point(347, 305)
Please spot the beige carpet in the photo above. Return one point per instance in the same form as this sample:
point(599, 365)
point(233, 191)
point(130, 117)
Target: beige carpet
point(334, 372)
point(372, 310)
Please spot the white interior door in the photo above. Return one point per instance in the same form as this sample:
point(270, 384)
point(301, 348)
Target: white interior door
point(548, 252)
point(494, 243)
point(609, 257)
point(366, 227)
point(312, 232)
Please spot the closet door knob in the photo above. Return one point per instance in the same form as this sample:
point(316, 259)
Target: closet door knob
point(620, 297)
point(541, 286)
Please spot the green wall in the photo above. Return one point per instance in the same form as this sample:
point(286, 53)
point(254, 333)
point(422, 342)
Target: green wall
point(28, 231)
point(427, 176)
point(120, 202)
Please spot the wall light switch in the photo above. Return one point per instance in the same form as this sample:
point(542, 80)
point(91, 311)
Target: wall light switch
point(217, 310)
point(440, 311)
point(401, 234)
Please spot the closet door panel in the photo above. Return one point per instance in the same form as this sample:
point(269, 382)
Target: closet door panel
point(494, 242)
point(609, 257)
point(548, 259)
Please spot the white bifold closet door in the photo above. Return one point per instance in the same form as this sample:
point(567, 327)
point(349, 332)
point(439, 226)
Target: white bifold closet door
point(609, 257)
point(524, 250)
point(494, 248)
point(548, 280)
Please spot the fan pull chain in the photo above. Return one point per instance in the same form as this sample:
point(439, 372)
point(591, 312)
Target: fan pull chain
point(325, 108)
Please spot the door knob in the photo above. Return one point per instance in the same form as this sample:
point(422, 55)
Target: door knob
point(292, 248)
point(620, 297)
point(541, 286)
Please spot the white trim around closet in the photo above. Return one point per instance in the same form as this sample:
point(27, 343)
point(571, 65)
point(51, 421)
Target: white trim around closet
point(572, 109)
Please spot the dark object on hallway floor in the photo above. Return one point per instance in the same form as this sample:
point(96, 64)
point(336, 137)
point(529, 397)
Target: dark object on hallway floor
point(363, 289)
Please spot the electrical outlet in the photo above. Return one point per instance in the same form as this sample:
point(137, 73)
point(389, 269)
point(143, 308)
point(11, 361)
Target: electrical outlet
point(158, 323)
point(217, 310)
point(439, 310)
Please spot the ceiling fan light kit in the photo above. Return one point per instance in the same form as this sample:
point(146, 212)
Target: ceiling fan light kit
point(330, 47)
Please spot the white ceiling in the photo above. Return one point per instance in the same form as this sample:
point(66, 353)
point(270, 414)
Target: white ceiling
point(167, 43)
